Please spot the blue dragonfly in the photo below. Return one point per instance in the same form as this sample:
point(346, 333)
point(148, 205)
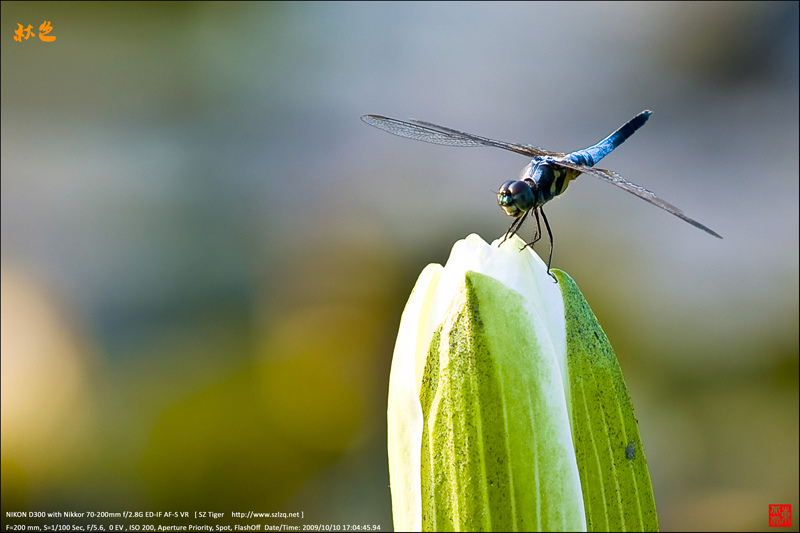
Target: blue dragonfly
point(545, 177)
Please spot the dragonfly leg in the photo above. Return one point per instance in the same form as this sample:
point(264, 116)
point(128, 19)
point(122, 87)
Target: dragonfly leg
point(514, 227)
point(537, 234)
point(550, 235)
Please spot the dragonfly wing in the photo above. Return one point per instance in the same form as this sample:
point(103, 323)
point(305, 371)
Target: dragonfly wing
point(433, 133)
point(649, 196)
point(418, 132)
point(524, 149)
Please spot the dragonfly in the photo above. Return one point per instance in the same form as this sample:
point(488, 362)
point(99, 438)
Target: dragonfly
point(545, 177)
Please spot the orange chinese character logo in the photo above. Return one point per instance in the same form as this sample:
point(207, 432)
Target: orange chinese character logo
point(22, 33)
point(44, 29)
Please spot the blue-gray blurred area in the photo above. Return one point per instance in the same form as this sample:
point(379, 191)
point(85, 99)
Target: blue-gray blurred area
point(205, 253)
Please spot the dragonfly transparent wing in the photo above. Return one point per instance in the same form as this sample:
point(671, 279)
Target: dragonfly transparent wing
point(524, 149)
point(433, 133)
point(646, 195)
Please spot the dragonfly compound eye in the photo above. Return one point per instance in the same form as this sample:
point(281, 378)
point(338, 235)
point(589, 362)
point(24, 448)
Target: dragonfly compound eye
point(515, 197)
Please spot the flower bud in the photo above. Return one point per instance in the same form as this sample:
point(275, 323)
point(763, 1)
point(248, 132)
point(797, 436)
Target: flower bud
point(507, 408)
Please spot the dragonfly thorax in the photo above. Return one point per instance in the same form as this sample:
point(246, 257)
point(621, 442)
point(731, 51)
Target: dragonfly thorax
point(551, 177)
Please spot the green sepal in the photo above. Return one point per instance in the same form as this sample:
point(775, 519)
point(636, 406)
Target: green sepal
point(496, 446)
point(617, 492)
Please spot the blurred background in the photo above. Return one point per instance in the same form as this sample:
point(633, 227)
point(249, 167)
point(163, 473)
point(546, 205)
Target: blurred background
point(205, 253)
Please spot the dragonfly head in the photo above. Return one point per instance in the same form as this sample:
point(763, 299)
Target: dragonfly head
point(515, 197)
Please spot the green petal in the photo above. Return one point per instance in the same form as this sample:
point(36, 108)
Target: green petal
point(497, 451)
point(616, 484)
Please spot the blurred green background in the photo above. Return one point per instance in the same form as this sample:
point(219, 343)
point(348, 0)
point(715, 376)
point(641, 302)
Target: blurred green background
point(205, 253)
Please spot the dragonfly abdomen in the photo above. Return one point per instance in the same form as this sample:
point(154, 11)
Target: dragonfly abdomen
point(592, 155)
